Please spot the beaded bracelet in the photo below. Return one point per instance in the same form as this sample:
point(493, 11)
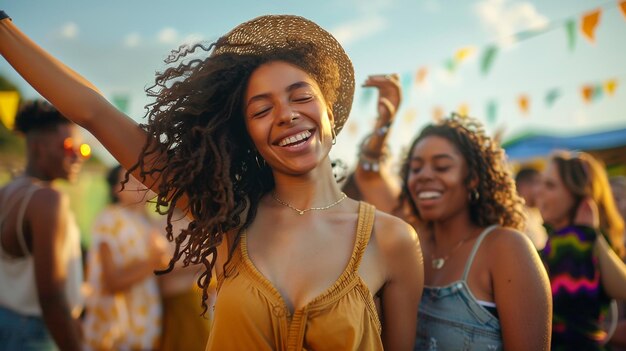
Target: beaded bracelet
point(4, 15)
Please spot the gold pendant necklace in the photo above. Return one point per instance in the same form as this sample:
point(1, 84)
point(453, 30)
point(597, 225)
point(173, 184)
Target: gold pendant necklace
point(301, 212)
point(438, 263)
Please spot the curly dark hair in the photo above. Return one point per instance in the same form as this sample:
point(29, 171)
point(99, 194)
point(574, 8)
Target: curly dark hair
point(198, 145)
point(498, 202)
point(38, 115)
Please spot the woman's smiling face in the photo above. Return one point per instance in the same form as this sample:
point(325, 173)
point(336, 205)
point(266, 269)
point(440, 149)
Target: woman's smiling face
point(436, 179)
point(287, 118)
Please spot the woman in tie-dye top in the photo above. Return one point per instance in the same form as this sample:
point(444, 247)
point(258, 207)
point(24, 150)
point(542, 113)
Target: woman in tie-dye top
point(576, 205)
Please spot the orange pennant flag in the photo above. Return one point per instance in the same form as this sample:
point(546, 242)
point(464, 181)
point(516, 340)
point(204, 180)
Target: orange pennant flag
point(421, 74)
point(587, 92)
point(589, 23)
point(437, 114)
point(610, 86)
point(622, 7)
point(524, 103)
point(9, 101)
point(353, 128)
point(463, 110)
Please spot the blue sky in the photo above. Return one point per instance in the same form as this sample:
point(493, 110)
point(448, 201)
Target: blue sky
point(119, 45)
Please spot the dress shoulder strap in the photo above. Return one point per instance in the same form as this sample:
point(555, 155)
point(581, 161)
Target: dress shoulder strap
point(470, 259)
point(365, 225)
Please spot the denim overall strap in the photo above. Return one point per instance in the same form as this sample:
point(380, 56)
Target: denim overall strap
point(470, 259)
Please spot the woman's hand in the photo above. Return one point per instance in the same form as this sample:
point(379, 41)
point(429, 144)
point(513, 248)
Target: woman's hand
point(587, 213)
point(389, 93)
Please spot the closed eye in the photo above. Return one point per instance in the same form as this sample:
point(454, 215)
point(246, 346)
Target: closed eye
point(261, 113)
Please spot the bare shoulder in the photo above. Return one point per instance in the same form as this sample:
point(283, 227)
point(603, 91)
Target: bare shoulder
point(47, 200)
point(393, 233)
point(507, 247)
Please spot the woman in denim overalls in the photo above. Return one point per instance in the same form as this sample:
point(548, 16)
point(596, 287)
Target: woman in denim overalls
point(486, 288)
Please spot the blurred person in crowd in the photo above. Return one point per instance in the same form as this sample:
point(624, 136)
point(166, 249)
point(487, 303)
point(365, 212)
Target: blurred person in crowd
point(485, 287)
point(184, 326)
point(578, 209)
point(618, 187)
point(40, 256)
point(123, 308)
point(527, 181)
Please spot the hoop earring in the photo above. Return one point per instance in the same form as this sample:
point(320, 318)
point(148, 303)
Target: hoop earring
point(334, 135)
point(473, 195)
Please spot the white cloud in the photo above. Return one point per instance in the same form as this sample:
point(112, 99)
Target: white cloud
point(69, 30)
point(359, 29)
point(193, 38)
point(503, 18)
point(132, 40)
point(168, 36)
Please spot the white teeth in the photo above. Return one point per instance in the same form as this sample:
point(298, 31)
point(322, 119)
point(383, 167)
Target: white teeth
point(425, 195)
point(295, 138)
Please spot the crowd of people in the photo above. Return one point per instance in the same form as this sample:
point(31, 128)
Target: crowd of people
point(451, 253)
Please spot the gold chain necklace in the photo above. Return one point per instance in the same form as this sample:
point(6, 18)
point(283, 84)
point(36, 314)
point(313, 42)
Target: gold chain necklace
point(438, 263)
point(301, 212)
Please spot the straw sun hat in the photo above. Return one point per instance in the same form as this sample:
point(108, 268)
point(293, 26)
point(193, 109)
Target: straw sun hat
point(264, 34)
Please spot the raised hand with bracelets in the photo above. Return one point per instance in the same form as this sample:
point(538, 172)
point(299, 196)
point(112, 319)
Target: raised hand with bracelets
point(372, 152)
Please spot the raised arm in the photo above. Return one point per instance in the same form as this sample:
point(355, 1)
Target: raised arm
point(72, 95)
point(374, 180)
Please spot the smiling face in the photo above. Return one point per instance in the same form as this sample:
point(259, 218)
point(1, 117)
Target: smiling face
point(287, 118)
point(436, 179)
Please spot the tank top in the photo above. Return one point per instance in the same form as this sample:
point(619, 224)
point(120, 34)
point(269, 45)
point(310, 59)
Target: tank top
point(450, 317)
point(18, 289)
point(250, 313)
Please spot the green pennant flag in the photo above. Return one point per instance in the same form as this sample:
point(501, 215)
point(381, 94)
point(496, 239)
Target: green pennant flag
point(597, 92)
point(121, 102)
point(552, 96)
point(570, 28)
point(406, 80)
point(366, 95)
point(450, 65)
point(492, 112)
point(488, 56)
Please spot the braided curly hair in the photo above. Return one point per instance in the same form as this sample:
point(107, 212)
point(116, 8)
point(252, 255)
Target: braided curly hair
point(199, 148)
point(498, 202)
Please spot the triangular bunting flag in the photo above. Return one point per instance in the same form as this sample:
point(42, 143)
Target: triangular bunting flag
point(589, 23)
point(450, 65)
point(9, 101)
point(366, 95)
point(597, 92)
point(552, 96)
point(409, 116)
point(420, 76)
point(353, 128)
point(437, 114)
point(463, 110)
point(492, 112)
point(622, 7)
point(610, 85)
point(463, 54)
point(121, 102)
point(587, 93)
point(570, 28)
point(406, 79)
point(523, 103)
point(487, 59)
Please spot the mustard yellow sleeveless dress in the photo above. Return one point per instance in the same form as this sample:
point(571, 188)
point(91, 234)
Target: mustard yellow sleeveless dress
point(250, 313)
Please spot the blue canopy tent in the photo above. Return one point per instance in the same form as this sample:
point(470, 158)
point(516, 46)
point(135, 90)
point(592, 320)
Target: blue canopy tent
point(609, 146)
